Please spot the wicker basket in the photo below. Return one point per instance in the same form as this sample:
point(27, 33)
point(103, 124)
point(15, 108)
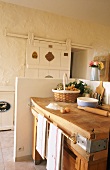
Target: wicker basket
point(65, 95)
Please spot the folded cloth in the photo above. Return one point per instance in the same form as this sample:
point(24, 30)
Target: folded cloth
point(54, 148)
point(41, 136)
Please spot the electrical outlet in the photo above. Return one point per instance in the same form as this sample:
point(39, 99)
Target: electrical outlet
point(21, 148)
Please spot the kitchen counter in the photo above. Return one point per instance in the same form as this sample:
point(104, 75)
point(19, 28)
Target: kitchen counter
point(86, 123)
point(90, 126)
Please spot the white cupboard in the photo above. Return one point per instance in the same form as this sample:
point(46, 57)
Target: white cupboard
point(6, 113)
point(47, 59)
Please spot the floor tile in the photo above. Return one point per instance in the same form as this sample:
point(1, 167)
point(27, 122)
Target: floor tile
point(41, 166)
point(2, 167)
point(19, 166)
point(7, 152)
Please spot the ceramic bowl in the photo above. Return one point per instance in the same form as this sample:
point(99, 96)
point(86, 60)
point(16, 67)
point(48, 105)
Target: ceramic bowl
point(87, 102)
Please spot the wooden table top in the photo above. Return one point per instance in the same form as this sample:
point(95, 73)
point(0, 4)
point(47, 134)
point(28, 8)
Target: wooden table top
point(76, 121)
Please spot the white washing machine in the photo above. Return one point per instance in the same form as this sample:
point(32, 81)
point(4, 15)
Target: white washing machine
point(6, 108)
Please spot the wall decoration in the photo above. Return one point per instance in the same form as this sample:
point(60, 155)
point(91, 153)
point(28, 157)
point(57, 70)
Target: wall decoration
point(34, 55)
point(4, 106)
point(50, 46)
point(66, 54)
point(49, 56)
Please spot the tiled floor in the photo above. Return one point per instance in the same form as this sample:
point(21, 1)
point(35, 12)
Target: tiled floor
point(6, 155)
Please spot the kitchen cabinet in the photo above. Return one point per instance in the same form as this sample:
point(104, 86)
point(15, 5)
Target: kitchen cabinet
point(44, 73)
point(45, 59)
point(29, 59)
point(32, 73)
point(7, 115)
point(55, 62)
point(78, 126)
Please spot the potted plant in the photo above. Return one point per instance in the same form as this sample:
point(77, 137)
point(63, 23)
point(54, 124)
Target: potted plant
point(95, 68)
point(87, 91)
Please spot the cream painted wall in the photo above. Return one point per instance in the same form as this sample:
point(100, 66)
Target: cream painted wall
point(80, 65)
point(26, 88)
point(23, 20)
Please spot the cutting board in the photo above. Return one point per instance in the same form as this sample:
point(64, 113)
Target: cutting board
point(100, 89)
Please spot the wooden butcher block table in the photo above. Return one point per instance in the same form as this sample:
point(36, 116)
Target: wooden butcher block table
point(86, 135)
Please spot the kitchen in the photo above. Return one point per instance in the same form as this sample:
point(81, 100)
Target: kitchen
point(20, 20)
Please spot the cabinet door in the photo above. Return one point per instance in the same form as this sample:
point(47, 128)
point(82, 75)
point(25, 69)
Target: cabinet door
point(54, 73)
point(57, 57)
point(43, 73)
point(65, 59)
point(7, 117)
point(7, 120)
point(50, 57)
point(31, 73)
point(32, 56)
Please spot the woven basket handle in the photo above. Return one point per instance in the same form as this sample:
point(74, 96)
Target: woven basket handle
point(65, 80)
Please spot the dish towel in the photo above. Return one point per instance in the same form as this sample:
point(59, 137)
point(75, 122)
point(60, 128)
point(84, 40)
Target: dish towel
point(54, 155)
point(41, 136)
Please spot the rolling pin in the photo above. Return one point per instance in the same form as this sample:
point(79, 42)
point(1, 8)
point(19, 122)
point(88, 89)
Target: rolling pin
point(95, 111)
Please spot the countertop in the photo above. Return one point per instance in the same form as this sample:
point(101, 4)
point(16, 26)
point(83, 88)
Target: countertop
point(79, 121)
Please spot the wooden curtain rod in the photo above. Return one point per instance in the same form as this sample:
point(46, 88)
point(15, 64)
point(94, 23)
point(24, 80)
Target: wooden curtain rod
point(32, 37)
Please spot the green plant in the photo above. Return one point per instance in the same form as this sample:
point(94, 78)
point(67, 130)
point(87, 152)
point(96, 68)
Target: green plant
point(87, 90)
point(79, 85)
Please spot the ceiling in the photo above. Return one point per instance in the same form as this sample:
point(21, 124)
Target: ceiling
point(97, 11)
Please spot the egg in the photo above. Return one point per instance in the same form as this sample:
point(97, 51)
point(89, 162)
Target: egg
point(62, 110)
point(67, 109)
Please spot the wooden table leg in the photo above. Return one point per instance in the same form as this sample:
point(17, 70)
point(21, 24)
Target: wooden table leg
point(35, 155)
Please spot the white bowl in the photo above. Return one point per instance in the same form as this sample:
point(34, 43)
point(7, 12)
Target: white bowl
point(87, 102)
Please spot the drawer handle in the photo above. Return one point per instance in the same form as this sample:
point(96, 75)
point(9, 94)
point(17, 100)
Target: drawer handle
point(48, 76)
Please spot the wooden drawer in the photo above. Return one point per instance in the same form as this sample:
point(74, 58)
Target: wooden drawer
point(69, 159)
